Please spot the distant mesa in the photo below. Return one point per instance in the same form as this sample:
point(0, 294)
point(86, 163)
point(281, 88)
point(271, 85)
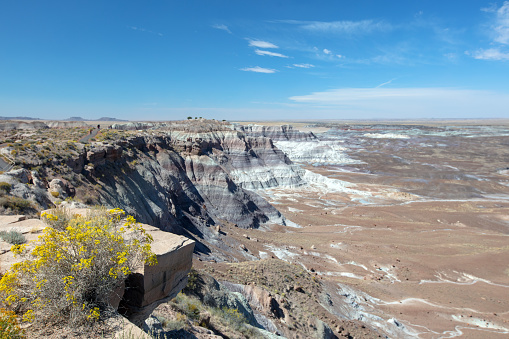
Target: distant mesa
point(18, 118)
point(101, 119)
point(110, 119)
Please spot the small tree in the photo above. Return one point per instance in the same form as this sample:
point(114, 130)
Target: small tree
point(189, 118)
point(75, 266)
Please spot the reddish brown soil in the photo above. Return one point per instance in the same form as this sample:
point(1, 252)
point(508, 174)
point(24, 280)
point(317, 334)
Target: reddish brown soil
point(428, 249)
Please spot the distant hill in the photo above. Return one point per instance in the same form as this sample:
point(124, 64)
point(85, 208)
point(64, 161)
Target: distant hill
point(68, 119)
point(18, 118)
point(110, 119)
point(101, 119)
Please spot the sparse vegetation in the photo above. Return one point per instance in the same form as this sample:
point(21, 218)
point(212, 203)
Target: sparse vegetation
point(72, 272)
point(9, 326)
point(192, 278)
point(15, 204)
point(190, 311)
point(5, 186)
point(13, 237)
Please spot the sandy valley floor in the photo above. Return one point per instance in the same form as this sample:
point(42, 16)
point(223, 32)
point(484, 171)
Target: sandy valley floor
point(417, 244)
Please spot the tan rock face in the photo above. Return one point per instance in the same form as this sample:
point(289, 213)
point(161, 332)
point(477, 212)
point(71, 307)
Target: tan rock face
point(153, 285)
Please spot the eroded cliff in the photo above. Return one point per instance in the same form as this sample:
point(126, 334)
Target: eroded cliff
point(186, 178)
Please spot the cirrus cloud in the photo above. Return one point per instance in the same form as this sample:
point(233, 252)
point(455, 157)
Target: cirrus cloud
point(501, 26)
point(258, 69)
point(222, 27)
point(341, 27)
point(279, 55)
point(261, 44)
point(303, 65)
point(499, 33)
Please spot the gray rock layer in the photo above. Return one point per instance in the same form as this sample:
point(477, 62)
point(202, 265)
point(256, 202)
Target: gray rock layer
point(181, 181)
point(276, 133)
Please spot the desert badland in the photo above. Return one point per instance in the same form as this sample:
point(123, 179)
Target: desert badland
point(377, 229)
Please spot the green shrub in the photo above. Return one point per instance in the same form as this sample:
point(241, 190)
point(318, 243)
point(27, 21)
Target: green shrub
point(15, 204)
point(9, 327)
point(13, 237)
point(5, 186)
point(72, 272)
point(189, 306)
point(192, 279)
point(179, 321)
point(232, 318)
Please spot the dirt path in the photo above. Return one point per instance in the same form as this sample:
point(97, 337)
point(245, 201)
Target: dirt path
point(87, 137)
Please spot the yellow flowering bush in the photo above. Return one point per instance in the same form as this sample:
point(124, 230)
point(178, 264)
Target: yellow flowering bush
point(72, 272)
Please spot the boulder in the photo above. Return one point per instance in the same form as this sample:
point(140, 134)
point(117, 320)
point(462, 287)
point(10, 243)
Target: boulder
point(62, 187)
point(16, 176)
point(323, 331)
point(152, 285)
point(123, 328)
point(153, 326)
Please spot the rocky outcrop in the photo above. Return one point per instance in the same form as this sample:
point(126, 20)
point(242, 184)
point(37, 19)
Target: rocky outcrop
point(215, 295)
point(150, 286)
point(134, 126)
point(323, 331)
point(99, 154)
point(251, 162)
point(28, 185)
point(188, 177)
point(263, 303)
point(316, 152)
point(67, 124)
point(61, 188)
point(276, 133)
point(30, 125)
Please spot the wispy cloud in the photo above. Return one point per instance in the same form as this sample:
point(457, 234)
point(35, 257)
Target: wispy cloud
point(490, 54)
point(490, 9)
point(341, 27)
point(304, 65)
point(385, 83)
point(400, 102)
point(260, 52)
point(261, 44)
point(501, 26)
point(326, 51)
point(500, 35)
point(222, 27)
point(258, 69)
point(141, 29)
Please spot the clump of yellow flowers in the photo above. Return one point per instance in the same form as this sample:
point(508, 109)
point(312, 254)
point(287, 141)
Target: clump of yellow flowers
point(75, 266)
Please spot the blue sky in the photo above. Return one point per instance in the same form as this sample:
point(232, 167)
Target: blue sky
point(252, 60)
